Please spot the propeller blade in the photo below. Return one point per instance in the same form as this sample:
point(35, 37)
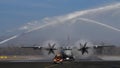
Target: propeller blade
point(82, 52)
point(87, 47)
point(49, 45)
point(85, 44)
point(81, 45)
point(84, 48)
point(53, 45)
point(51, 49)
point(51, 52)
point(86, 51)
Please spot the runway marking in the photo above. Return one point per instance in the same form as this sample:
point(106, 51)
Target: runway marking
point(51, 66)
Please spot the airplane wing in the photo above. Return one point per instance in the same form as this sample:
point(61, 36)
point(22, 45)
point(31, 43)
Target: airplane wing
point(103, 46)
point(51, 48)
point(34, 47)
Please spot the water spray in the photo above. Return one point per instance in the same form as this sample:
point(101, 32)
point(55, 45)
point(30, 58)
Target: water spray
point(99, 23)
point(13, 37)
point(71, 16)
point(64, 18)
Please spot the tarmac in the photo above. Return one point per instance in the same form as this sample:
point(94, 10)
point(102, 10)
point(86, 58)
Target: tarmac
point(39, 62)
point(66, 64)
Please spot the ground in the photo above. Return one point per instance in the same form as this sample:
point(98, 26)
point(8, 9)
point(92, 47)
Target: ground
point(80, 64)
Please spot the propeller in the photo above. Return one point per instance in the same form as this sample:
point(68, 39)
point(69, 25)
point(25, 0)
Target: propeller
point(84, 48)
point(51, 48)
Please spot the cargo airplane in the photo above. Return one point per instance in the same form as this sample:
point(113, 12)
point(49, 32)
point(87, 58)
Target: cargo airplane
point(65, 53)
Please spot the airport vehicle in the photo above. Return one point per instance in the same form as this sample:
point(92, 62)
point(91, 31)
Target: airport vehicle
point(58, 58)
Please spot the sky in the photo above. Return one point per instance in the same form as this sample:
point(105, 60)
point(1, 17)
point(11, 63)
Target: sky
point(15, 13)
point(25, 19)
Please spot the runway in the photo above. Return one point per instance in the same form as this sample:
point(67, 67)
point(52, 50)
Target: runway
point(39, 62)
point(80, 64)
